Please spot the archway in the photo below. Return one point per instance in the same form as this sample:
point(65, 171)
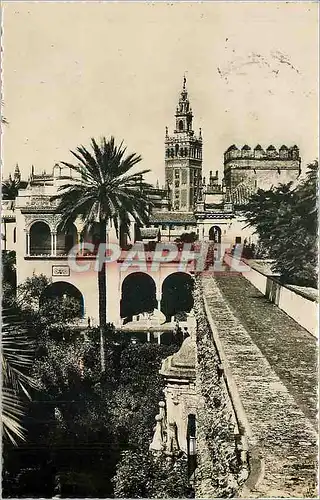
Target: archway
point(215, 234)
point(177, 294)
point(66, 239)
point(40, 239)
point(61, 290)
point(138, 295)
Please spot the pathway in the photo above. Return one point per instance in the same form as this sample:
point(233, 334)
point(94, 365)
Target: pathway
point(273, 361)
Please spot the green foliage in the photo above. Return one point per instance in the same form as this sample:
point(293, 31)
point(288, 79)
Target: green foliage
point(143, 475)
point(99, 414)
point(187, 238)
point(9, 278)
point(17, 353)
point(10, 189)
point(30, 291)
point(104, 190)
point(285, 219)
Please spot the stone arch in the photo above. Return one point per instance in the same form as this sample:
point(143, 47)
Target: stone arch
point(177, 294)
point(40, 238)
point(138, 295)
point(62, 289)
point(215, 234)
point(66, 239)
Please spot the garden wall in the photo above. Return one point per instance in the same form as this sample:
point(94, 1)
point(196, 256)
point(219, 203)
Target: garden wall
point(219, 471)
point(295, 303)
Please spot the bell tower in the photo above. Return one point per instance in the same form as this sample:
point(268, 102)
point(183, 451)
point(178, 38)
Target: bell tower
point(183, 157)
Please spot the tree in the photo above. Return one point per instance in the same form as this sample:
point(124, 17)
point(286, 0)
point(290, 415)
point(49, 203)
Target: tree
point(285, 218)
point(187, 238)
point(9, 279)
point(105, 191)
point(16, 358)
point(10, 188)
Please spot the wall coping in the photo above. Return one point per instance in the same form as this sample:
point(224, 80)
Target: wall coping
point(255, 458)
point(276, 279)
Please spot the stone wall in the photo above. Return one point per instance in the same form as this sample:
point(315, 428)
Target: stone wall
point(219, 472)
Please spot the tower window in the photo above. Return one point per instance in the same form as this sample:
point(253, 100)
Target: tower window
point(180, 125)
point(177, 149)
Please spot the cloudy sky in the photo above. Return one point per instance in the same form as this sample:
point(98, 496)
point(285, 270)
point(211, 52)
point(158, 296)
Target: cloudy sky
point(72, 71)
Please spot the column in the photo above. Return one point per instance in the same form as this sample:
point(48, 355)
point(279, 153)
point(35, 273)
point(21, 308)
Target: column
point(53, 244)
point(27, 243)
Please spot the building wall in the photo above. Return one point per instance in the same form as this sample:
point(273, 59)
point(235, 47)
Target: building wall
point(259, 168)
point(231, 228)
point(9, 232)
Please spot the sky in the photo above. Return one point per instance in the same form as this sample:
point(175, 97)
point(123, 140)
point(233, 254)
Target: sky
point(72, 71)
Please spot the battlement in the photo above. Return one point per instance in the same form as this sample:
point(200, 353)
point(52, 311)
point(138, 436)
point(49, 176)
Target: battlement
point(258, 153)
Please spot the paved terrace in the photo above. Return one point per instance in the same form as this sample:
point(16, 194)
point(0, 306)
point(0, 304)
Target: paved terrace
point(273, 363)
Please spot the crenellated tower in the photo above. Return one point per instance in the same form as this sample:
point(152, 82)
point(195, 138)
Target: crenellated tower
point(183, 158)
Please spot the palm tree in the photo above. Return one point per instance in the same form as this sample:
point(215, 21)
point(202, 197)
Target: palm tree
point(17, 354)
point(104, 191)
point(10, 188)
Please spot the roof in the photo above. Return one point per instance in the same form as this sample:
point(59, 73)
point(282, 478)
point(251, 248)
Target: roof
point(174, 217)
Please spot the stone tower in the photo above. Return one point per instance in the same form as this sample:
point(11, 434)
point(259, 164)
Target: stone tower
point(246, 170)
point(183, 158)
point(17, 175)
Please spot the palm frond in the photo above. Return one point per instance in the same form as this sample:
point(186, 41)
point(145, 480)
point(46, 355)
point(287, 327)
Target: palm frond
point(12, 414)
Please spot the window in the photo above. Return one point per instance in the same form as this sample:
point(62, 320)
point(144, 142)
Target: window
point(177, 174)
point(15, 235)
point(164, 227)
point(238, 240)
point(180, 125)
point(177, 184)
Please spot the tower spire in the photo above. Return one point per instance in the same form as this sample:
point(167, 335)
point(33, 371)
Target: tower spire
point(183, 157)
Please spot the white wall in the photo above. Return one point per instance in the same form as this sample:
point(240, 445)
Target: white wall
point(303, 310)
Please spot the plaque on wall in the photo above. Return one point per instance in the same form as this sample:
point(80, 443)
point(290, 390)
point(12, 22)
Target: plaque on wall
point(60, 271)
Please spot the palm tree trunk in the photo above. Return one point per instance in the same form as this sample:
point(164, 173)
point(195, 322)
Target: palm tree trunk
point(102, 287)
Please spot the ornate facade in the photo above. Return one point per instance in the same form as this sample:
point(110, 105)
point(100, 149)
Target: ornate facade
point(186, 204)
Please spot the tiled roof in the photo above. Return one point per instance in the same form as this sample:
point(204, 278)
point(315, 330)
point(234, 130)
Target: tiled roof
point(166, 217)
